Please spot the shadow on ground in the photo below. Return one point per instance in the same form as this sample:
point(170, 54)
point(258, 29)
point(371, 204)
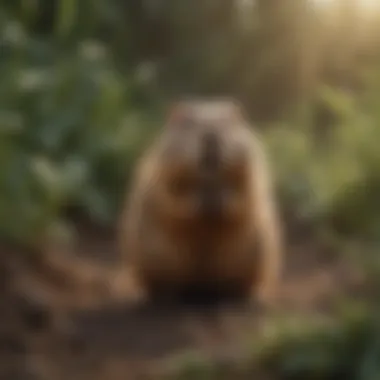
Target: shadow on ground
point(82, 328)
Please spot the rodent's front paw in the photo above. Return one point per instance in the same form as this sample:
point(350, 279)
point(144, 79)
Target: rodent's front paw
point(266, 298)
point(126, 285)
point(135, 290)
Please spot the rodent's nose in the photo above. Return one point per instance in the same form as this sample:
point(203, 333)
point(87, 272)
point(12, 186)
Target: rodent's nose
point(210, 151)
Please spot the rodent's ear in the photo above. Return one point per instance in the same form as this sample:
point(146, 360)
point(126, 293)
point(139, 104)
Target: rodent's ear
point(236, 110)
point(178, 114)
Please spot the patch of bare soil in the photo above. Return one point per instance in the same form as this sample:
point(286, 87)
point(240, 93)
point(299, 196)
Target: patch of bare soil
point(66, 316)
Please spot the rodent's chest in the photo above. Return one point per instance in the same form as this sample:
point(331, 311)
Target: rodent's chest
point(207, 243)
point(206, 253)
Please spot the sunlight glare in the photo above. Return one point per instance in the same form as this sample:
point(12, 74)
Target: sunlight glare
point(368, 4)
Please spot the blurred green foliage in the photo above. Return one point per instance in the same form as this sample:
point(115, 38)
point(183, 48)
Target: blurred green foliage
point(68, 131)
point(295, 347)
point(335, 184)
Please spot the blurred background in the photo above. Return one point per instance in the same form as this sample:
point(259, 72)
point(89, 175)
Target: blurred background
point(84, 86)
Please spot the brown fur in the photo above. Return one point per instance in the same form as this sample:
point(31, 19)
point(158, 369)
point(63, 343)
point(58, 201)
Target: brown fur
point(167, 240)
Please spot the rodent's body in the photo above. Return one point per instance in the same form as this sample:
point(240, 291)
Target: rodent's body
point(201, 211)
point(173, 258)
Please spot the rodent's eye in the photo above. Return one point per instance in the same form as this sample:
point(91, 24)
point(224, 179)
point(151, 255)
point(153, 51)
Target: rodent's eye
point(181, 186)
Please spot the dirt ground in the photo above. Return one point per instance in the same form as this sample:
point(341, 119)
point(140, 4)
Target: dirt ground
point(66, 317)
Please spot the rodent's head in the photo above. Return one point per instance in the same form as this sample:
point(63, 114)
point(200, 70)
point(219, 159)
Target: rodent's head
point(206, 162)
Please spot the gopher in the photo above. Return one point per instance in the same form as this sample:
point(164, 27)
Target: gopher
point(201, 212)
